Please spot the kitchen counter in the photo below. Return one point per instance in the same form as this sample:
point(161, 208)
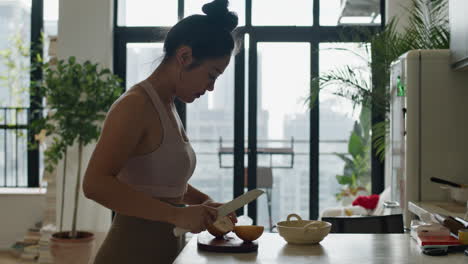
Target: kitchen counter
point(335, 248)
point(443, 208)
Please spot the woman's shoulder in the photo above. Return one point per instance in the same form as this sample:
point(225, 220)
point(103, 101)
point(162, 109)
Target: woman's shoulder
point(134, 100)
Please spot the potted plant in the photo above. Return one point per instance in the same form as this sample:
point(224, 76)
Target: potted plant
point(77, 97)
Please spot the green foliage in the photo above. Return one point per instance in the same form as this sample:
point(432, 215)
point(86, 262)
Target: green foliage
point(77, 97)
point(15, 77)
point(356, 172)
point(428, 28)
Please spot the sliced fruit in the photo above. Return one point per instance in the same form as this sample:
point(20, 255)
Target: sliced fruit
point(248, 232)
point(221, 227)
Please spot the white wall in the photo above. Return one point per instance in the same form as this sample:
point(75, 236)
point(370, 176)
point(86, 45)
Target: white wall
point(19, 211)
point(85, 31)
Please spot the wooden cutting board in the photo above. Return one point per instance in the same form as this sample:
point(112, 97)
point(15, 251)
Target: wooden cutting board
point(230, 243)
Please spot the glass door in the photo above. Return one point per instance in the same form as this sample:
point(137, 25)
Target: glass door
point(279, 139)
point(210, 127)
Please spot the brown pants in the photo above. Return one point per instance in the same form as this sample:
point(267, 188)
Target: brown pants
point(140, 241)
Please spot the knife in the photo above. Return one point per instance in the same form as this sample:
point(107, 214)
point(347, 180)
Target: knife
point(450, 183)
point(229, 207)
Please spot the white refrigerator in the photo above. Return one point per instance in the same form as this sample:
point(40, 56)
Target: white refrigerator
point(428, 133)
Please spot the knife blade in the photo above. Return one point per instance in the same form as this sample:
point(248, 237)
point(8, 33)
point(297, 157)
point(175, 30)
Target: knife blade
point(229, 207)
point(238, 202)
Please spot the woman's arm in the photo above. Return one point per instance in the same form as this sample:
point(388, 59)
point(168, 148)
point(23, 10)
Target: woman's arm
point(195, 196)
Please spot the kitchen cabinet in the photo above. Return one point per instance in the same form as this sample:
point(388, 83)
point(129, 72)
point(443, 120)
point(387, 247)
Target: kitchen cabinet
point(459, 33)
point(335, 248)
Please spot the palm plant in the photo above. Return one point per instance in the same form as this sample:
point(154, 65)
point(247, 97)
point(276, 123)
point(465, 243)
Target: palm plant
point(427, 28)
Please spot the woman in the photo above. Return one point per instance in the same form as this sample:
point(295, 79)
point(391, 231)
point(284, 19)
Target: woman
point(143, 159)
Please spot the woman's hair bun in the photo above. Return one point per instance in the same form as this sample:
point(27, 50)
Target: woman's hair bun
point(219, 13)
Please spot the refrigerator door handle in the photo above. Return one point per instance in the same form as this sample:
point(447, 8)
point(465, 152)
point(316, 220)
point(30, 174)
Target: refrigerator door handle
point(404, 121)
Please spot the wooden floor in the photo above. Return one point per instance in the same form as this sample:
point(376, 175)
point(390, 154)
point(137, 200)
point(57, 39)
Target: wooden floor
point(7, 258)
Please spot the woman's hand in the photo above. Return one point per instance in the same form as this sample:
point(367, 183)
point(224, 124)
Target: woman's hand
point(232, 215)
point(195, 218)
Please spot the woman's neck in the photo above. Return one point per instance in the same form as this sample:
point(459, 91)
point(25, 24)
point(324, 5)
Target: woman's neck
point(162, 81)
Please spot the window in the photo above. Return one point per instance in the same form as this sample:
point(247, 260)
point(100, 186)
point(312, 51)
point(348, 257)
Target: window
point(279, 127)
point(142, 59)
point(259, 100)
point(14, 101)
point(143, 13)
point(338, 119)
point(20, 167)
point(282, 13)
point(349, 12)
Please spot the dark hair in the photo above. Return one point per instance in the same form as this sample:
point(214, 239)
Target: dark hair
point(208, 35)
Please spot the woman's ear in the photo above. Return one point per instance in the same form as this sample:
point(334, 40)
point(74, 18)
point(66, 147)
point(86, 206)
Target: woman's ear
point(184, 56)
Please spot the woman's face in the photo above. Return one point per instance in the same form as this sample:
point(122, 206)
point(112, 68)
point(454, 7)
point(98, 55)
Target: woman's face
point(194, 82)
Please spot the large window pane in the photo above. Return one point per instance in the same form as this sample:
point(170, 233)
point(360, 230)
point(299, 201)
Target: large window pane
point(282, 13)
point(133, 13)
point(15, 18)
point(210, 127)
point(340, 12)
point(283, 127)
point(142, 60)
point(195, 7)
point(338, 120)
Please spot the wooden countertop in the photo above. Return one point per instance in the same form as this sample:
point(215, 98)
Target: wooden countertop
point(335, 248)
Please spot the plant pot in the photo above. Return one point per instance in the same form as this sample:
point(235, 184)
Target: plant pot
point(65, 250)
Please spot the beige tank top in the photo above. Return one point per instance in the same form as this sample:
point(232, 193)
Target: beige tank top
point(165, 171)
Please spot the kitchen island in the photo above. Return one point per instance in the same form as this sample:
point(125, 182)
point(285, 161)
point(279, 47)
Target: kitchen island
point(335, 248)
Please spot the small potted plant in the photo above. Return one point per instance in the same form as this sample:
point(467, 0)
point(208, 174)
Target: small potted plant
point(77, 97)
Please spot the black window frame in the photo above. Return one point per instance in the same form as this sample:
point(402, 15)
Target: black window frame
point(314, 35)
point(36, 47)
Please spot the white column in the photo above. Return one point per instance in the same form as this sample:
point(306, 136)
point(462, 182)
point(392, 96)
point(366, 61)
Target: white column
point(85, 31)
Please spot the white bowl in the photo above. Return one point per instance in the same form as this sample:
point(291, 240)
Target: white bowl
point(303, 231)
